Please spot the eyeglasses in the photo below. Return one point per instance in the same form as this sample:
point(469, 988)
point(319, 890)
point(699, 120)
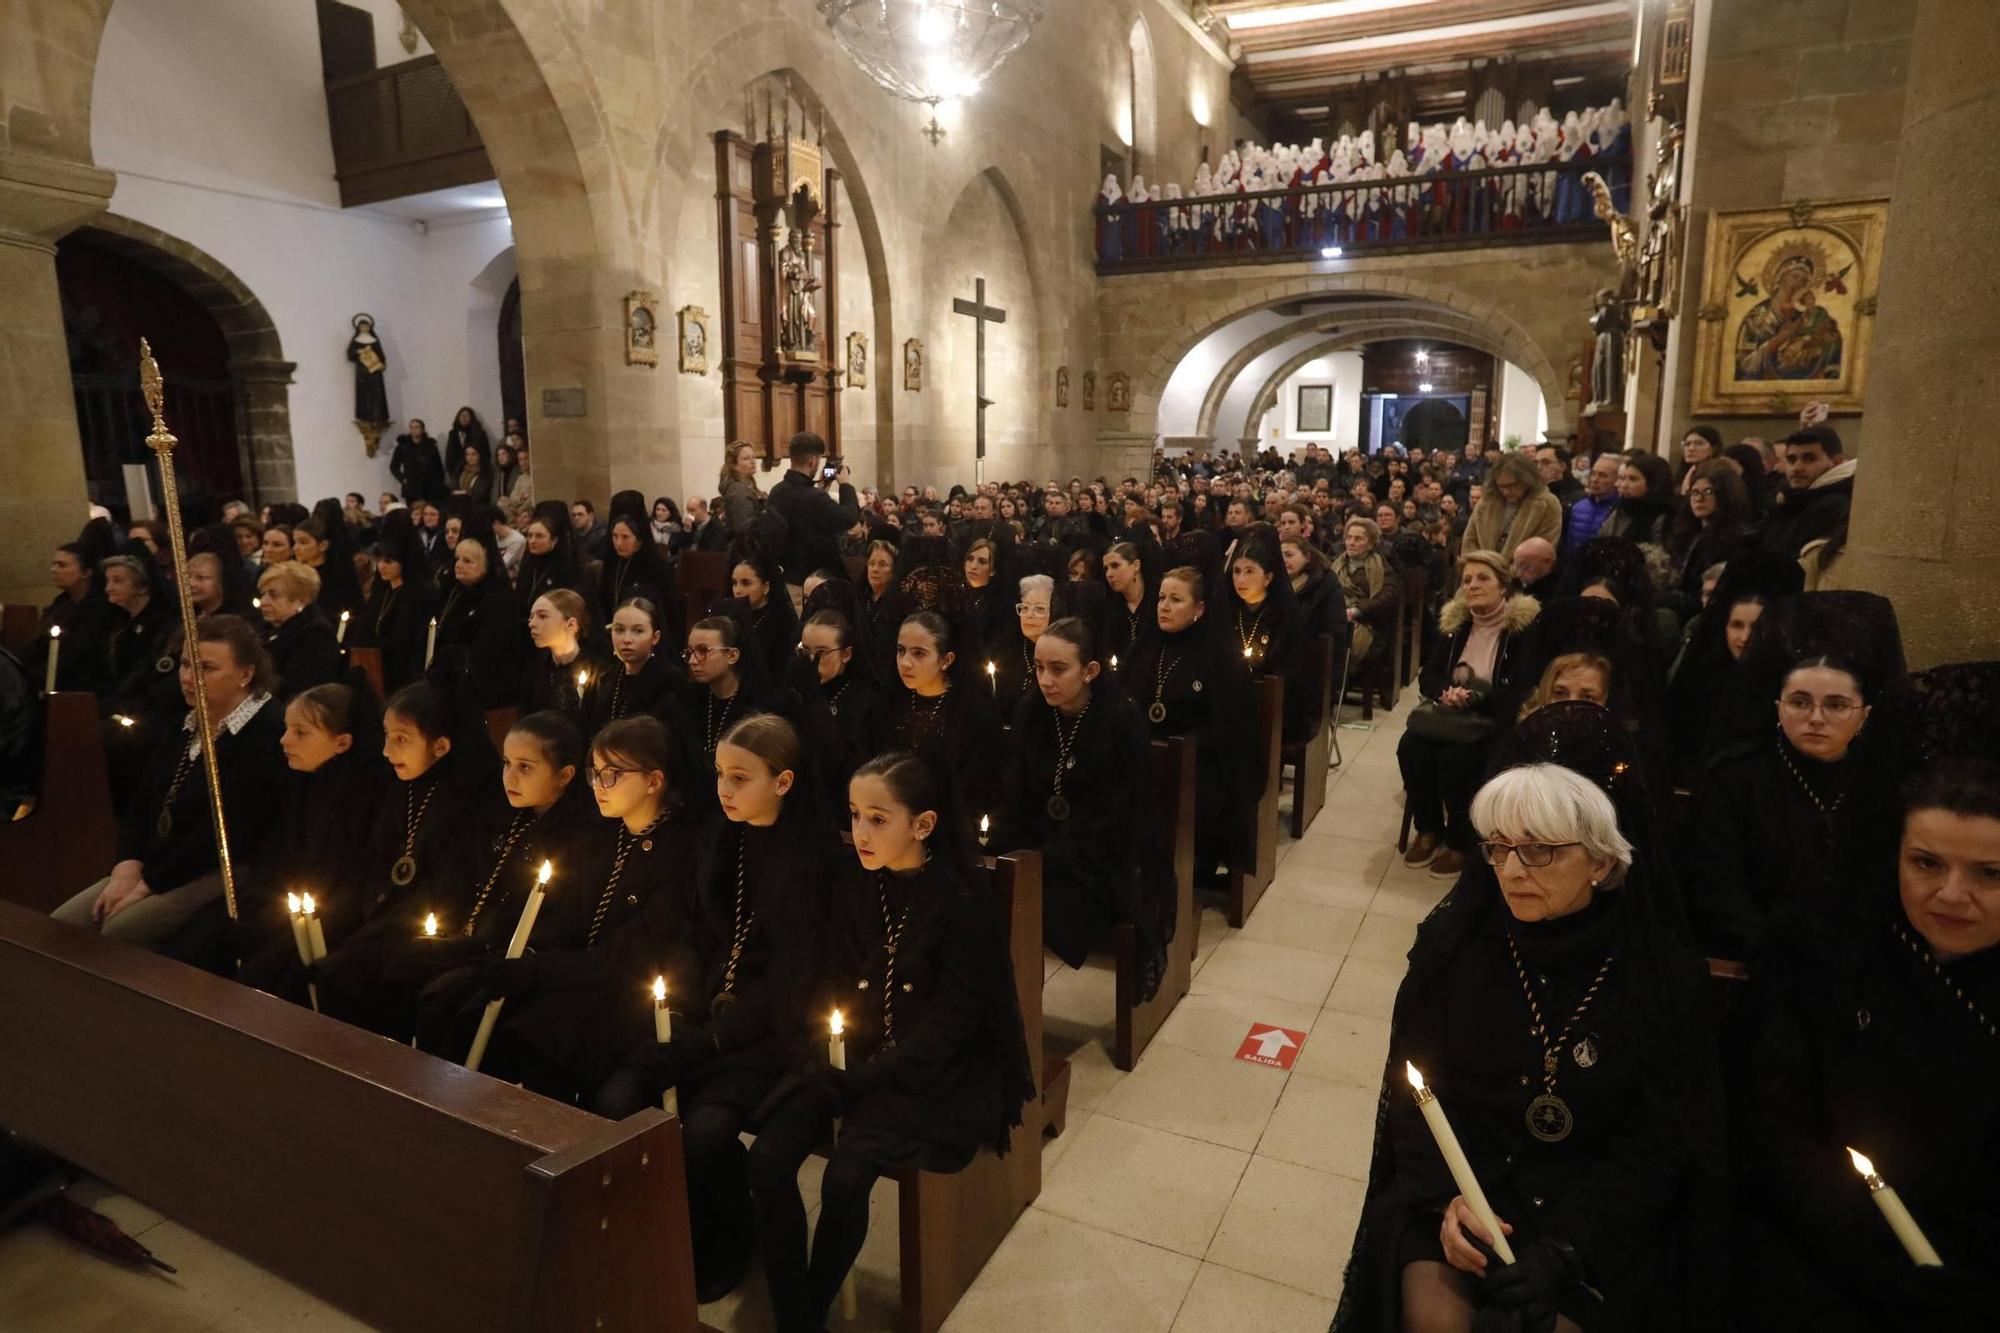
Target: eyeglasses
point(606, 778)
point(1702, 493)
point(815, 655)
point(1029, 609)
point(1835, 709)
point(697, 655)
point(1533, 855)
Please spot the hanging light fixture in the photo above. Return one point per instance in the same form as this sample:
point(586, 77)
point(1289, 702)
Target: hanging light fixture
point(931, 51)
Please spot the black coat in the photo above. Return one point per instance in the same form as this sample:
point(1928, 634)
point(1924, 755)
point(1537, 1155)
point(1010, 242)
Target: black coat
point(481, 619)
point(857, 708)
point(252, 769)
point(547, 685)
point(957, 1073)
point(1207, 694)
point(133, 644)
point(304, 652)
point(417, 466)
point(1323, 610)
point(395, 622)
point(82, 664)
point(621, 694)
point(960, 732)
point(814, 521)
point(1799, 517)
point(1643, 520)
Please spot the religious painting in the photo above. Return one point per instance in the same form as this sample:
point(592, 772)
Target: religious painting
point(1062, 386)
point(1315, 407)
point(857, 360)
point(1788, 307)
point(1090, 391)
point(642, 329)
point(693, 329)
point(1118, 392)
point(913, 365)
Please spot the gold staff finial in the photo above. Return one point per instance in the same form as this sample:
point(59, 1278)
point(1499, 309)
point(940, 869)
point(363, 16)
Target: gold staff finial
point(162, 442)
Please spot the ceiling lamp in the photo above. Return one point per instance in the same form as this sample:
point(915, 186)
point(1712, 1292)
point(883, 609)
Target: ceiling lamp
point(931, 51)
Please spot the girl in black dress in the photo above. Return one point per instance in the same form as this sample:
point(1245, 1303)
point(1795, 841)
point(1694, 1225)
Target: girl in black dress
point(746, 1024)
point(398, 609)
point(756, 582)
point(634, 567)
point(563, 673)
point(1871, 1027)
point(643, 677)
point(1264, 618)
point(944, 713)
point(1079, 748)
point(1192, 683)
point(550, 561)
point(435, 826)
point(324, 545)
point(935, 1065)
point(854, 700)
point(578, 1003)
point(477, 615)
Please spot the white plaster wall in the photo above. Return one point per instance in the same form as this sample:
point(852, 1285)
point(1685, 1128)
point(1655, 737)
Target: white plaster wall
point(1522, 411)
point(211, 112)
point(1343, 371)
point(1180, 402)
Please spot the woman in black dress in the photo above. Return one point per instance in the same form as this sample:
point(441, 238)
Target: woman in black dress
point(756, 582)
point(855, 701)
point(1263, 617)
point(1128, 611)
point(302, 642)
point(747, 1022)
point(1871, 1026)
point(1010, 671)
point(883, 608)
point(398, 610)
point(477, 614)
point(988, 589)
point(634, 567)
point(934, 1063)
point(944, 711)
point(434, 828)
point(324, 544)
point(550, 561)
point(563, 673)
point(1552, 1008)
point(1322, 609)
point(1076, 792)
point(642, 678)
point(1191, 682)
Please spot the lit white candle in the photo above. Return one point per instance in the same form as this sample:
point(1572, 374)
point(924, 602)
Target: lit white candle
point(123, 720)
point(836, 1055)
point(663, 1032)
point(55, 650)
point(430, 925)
point(430, 643)
point(582, 679)
point(1915, 1243)
point(315, 931)
point(993, 679)
point(515, 948)
point(984, 825)
point(1114, 661)
point(340, 634)
point(299, 935)
point(1454, 1158)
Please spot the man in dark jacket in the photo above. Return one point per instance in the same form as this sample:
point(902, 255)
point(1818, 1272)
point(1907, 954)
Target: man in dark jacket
point(417, 466)
point(1819, 487)
point(1553, 462)
point(814, 519)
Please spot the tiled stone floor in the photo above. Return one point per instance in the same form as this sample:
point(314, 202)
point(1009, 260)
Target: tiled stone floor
point(1197, 1193)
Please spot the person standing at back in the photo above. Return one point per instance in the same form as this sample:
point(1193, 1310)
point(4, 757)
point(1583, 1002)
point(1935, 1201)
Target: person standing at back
point(813, 517)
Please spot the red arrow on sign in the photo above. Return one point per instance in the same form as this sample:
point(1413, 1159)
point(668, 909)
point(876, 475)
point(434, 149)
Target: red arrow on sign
point(1270, 1045)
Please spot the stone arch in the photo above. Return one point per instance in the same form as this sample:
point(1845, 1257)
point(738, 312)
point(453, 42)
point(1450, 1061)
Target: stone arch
point(1232, 301)
point(258, 370)
point(1266, 396)
point(1142, 90)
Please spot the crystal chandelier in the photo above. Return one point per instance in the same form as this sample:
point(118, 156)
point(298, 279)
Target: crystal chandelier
point(931, 51)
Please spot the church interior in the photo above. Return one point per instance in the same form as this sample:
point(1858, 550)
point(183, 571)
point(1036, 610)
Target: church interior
point(758, 431)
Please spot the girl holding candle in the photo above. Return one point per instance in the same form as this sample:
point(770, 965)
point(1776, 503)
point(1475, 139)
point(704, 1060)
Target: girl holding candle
point(1871, 1024)
point(641, 678)
point(428, 851)
point(1552, 1009)
point(944, 712)
point(563, 671)
point(935, 1062)
point(747, 1020)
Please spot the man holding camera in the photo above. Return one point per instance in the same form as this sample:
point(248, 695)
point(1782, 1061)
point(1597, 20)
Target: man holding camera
point(814, 519)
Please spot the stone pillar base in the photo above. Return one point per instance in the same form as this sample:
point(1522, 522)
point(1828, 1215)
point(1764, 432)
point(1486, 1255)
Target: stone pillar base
point(1120, 453)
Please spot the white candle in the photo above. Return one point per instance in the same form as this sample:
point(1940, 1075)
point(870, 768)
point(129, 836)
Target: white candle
point(340, 634)
point(299, 936)
point(315, 931)
point(430, 925)
point(122, 720)
point(984, 825)
point(836, 1055)
point(992, 680)
point(55, 650)
point(1915, 1243)
point(515, 948)
point(1114, 661)
point(430, 643)
point(1454, 1158)
point(663, 1032)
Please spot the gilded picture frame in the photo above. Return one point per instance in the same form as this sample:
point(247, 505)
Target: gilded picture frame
point(857, 360)
point(692, 328)
point(642, 329)
point(913, 365)
point(1788, 308)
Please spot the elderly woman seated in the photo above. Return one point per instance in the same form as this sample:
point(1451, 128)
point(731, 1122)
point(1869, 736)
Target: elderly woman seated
point(1547, 1007)
point(1371, 588)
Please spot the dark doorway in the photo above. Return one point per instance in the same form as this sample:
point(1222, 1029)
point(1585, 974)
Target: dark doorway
point(513, 369)
point(109, 302)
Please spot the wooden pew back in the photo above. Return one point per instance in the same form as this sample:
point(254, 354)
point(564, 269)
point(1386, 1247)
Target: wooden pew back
point(369, 660)
point(1246, 883)
point(500, 721)
point(69, 840)
point(410, 1192)
point(1411, 613)
point(19, 623)
point(1172, 771)
point(702, 578)
point(1307, 758)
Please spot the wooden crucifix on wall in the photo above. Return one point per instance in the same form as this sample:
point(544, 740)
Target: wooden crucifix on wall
point(982, 315)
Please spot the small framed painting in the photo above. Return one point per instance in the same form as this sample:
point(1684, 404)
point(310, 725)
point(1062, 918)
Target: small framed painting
point(1315, 408)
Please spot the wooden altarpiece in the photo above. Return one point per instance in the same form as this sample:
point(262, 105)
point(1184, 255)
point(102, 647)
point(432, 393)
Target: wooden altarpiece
point(779, 334)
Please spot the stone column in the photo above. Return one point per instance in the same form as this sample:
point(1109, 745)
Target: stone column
point(264, 427)
point(42, 494)
point(1122, 453)
point(1926, 522)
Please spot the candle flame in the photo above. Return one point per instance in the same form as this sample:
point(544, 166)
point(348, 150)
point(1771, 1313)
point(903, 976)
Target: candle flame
point(343, 617)
point(305, 904)
point(55, 631)
point(836, 1024)
point(431, 924)
point(990, 668)
point(983, 823)
point(121, 719)
point(434, 622)
point(659, 990)
point(1416, 1079)
point(1861, 1164)
point(542, 876)
point(1114, 661)
point(256, 602)
point(582, 679)
point(1246, 652)
point(292, 903)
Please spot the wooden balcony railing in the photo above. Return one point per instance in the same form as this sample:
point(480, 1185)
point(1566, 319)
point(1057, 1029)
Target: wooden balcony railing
point(402, 130)
point(1516, 205)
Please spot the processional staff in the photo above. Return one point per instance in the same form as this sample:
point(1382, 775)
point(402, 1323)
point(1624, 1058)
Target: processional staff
point(162, 443)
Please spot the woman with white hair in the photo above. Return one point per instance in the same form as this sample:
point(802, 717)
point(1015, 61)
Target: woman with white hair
point(1555, 1012)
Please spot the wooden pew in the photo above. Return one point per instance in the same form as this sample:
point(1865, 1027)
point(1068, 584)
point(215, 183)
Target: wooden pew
point(415, 1195)
point(1307, 758)
point(1245, 884)
point(68, 841)
point(19, 623)
point(370, 662)
point(1415, 588)
point(1138, 1024)
point(500, 721)
point(702, 578)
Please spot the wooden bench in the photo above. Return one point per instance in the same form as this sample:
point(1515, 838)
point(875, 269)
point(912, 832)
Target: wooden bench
point(1138, 1024)
point(1382, 674)
point(411, 1193)
point(19, 624)
point(68, 840)
point(369, 660)
point(702, 579)
point(1411, 612)
point(1245, 884)
point(500, 721)
point(1308, 758)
